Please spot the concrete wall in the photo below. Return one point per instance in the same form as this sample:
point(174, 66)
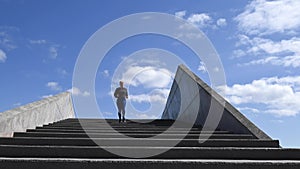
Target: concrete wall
point(45, 111)
point(183, 89)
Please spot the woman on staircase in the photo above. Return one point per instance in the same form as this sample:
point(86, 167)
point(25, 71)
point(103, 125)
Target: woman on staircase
point(121, 94)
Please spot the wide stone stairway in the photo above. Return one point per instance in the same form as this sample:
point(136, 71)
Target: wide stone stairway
point(66, 144)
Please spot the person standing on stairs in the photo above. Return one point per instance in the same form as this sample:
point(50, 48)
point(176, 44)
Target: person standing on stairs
point(121, 94)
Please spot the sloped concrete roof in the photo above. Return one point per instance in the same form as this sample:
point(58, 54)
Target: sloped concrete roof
point(231, 120)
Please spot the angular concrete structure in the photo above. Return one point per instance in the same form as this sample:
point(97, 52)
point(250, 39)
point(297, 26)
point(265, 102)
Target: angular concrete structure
point(35, 114)
point(231, 119)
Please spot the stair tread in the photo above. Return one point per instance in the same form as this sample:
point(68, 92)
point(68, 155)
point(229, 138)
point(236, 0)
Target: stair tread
point(149, 142)
point(123, 131)
point(170, 153)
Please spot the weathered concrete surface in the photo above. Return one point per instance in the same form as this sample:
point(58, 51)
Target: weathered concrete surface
point(231, 120)
point(50, 163)
point(41, 112)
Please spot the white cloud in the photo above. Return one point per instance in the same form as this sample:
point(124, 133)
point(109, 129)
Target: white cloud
point(51, 47)
point(277, 121)
point(39, 42)
point(272, 47)
point(62, 72)
point(249, 109)
point(238, 53)
point(107, 113)
point(285, 52)
point(77, 92)
point(216, 69)
point(267, 17)
point(189, 35)
point(3, 56)
point(157, 95)
point(242, 40)
point(6, 39)
point(46, 96)
point(17, 104)
point(105, 73)
point(197, 20)
point(221, 22)
point(287, 61)
point(53, 51)
point(142, 116)
point(202, 67)
point(148, 76)
point(54, 86)
point(200, 20)
point(278, 96)
point(180, 14)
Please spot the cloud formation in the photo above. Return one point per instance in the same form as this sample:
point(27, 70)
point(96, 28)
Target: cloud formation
point(77, 92)
point(2, 56)
point(202, 67)
point(54, 86)
point(53, 51)
point(201, 19)
point(221, 22)
point(62, 72)
point(40, 41)
point(180, 14)
point(262, 17)
point(157, 95)
point(46, 96)
point(105, 73)
point(147, 76)
point(7, 36)
point(278, 96)
point(285, 52)
point(258, 45)
point(50, 47)
point(287, 61)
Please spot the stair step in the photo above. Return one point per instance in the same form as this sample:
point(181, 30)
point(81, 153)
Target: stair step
point(149, 142)
point(50, 163)
point(112, 123)
point(65, 144)
point(115, 120)
point(123, 131)
point(141, 135)
point(173, 153)
point(116, 128)
point(119, 124)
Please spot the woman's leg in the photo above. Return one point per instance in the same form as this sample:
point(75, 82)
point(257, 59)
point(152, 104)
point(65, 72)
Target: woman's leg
point(119, 105)
point(123, 109)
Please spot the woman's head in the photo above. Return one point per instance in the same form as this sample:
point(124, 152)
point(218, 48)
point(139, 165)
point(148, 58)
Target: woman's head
point(121, 83)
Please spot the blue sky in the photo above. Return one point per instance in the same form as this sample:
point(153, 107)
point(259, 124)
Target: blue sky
point(258, 42)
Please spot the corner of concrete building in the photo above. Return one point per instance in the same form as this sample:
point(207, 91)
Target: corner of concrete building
point(47, 110)
point(231, 119)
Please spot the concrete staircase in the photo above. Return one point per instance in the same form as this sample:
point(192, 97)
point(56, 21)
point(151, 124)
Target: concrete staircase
point(65, 144)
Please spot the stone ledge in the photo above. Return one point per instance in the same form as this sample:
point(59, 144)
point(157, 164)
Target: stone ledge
point(34, 114)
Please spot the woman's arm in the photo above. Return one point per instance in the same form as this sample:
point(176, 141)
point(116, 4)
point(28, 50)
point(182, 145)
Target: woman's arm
point(116, 94)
